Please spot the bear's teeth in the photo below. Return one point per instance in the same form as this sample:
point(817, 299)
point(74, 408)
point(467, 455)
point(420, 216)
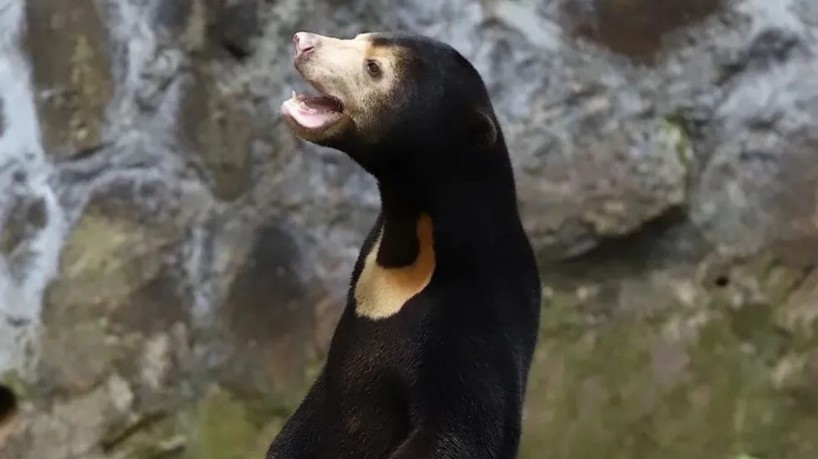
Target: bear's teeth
point(303, 105)
point(295, 96)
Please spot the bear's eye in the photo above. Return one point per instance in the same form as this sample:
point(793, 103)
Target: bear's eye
point(373, 68)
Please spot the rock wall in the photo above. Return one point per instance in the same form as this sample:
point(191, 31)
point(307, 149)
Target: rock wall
point(173, 261)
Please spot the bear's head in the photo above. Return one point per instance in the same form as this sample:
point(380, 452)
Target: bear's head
point(392, 102)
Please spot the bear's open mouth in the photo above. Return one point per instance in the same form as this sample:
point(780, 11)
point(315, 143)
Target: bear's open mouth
point(313, 112)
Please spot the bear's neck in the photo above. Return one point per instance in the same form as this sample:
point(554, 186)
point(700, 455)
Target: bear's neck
point(470, 218)
point(399, 245)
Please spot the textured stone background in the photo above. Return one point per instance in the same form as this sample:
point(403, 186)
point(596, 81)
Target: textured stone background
point(172, 260)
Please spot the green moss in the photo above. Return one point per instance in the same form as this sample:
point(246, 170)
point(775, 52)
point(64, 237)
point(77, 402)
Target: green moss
point(681, 140)
point(689, 383)
point(151, 437)
point(15, 383)
point(223, 428)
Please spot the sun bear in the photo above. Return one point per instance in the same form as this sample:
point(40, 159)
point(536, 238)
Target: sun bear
point(431, 355)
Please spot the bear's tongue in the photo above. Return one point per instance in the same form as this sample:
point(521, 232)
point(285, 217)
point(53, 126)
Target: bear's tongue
point(312, 112)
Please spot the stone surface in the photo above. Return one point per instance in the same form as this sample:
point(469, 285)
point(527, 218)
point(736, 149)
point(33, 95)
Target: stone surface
point(607, 189)
point(71, 72)
point(222, 130)
point(637, 28)
point(269, 352)
point(2, 117)
point(118, 285)
point(173, 261)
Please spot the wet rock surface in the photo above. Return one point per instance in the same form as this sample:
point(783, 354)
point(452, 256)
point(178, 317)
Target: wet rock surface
point(173, 260)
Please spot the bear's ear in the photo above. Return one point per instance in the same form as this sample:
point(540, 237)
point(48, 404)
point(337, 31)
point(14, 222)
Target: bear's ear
point(482, 129)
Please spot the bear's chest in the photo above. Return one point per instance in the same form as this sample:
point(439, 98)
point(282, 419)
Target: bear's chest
point(381, 292)
point(366, 353)
point(371, 368)
point(380, 333)
point(379, 342)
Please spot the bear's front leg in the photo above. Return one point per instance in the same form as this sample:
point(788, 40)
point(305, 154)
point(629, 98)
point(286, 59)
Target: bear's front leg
point(455, 443)
point(464, 409)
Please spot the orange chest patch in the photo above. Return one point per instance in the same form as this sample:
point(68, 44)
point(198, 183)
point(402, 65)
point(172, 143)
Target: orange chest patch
point(382, 292)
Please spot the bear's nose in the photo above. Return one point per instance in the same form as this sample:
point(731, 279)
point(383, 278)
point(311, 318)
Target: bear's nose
point(304, 42)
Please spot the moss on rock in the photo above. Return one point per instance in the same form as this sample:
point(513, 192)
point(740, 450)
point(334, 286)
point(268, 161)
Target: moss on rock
point(223, 427)
point(683, 381)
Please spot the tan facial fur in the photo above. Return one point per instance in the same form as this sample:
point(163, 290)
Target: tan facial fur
point(382, 292)
point(338, 68)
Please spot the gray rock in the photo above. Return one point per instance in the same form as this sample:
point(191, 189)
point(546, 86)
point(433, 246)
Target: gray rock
point(757, 182)
point(71, 72)
point(2, 118)
point(173, 260)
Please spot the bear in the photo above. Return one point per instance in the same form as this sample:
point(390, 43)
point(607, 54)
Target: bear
point(431, 355)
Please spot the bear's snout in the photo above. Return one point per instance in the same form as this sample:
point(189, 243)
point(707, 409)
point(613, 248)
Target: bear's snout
point(305, 42)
